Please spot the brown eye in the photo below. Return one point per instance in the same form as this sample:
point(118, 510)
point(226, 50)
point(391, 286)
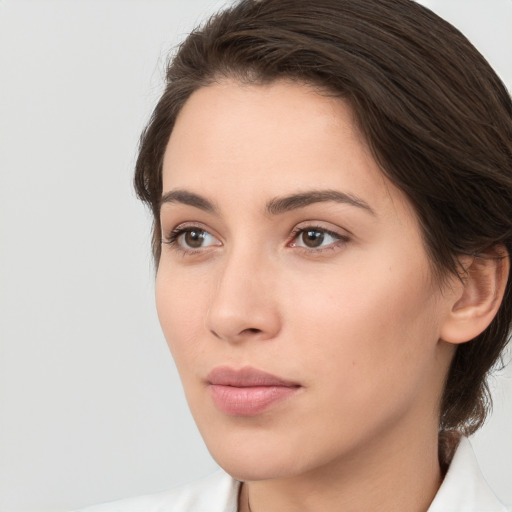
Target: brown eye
point(194, 238)
point(317, 238)
point(312, 238)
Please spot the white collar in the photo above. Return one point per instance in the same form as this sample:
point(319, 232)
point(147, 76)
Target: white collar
point(464, 488)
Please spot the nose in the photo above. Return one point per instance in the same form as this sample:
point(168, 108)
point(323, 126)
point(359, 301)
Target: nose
point(243, 304)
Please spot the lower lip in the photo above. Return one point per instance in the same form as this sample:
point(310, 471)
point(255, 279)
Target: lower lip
point(248, 401)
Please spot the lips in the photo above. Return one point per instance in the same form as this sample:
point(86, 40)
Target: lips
point(247, 391)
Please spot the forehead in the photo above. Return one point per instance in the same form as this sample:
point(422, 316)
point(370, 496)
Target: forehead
point(243, 141)
point(260, 121)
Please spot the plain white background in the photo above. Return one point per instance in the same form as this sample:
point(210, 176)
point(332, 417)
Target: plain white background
point(91, 408)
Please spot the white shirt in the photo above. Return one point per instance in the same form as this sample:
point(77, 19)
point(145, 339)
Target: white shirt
point(464, 489)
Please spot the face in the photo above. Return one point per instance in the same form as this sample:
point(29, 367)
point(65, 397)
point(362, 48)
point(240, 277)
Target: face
point(294, 288)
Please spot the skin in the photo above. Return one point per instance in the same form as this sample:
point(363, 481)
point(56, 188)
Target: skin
point(356, 321)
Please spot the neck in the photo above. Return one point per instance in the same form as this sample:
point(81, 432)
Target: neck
point(401, 473)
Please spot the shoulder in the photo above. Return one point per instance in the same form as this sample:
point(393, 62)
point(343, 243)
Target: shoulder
point(215, 493)
point(464, 487)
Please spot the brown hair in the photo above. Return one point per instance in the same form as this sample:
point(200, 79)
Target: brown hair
point(435, 115)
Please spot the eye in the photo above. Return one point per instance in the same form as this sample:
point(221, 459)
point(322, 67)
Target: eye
point(196, 238)
point(191, 238)
point(316, 238)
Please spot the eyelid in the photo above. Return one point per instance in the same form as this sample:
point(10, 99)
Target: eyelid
point(175, 233)
point(341, 236)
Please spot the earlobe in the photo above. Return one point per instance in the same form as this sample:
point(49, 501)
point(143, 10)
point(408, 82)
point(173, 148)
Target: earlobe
point(481, 291)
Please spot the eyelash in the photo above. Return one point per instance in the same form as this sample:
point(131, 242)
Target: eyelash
point(176, 233)
point(172, 239)
point(338, 237)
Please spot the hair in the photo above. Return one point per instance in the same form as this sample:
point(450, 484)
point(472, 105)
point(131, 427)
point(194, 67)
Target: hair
point(434, 114)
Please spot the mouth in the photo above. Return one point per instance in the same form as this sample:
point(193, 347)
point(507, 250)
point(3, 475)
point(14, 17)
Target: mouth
point(247, 391)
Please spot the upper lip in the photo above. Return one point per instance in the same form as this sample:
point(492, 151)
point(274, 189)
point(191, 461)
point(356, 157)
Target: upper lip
point(245, 377)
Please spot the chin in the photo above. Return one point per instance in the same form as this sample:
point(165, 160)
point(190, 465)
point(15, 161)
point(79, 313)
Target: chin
point(261, 456)
point(256, 469)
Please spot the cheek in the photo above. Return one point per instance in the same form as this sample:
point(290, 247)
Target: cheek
point(374, 321)
point(181, 307)
point(367, 355)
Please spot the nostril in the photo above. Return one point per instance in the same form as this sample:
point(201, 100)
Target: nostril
point(251, 330)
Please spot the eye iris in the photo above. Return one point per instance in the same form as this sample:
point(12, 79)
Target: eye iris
point(194, 238)
point(313, 238)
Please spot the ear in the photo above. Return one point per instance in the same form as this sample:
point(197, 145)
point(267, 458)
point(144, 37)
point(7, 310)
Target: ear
point(478, 295)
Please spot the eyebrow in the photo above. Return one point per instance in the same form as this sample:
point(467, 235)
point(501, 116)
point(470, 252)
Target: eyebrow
point(188, 198)
point(284, 204)
point(275, 206)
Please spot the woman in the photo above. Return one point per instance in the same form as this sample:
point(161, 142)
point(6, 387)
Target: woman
point(331, 185)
